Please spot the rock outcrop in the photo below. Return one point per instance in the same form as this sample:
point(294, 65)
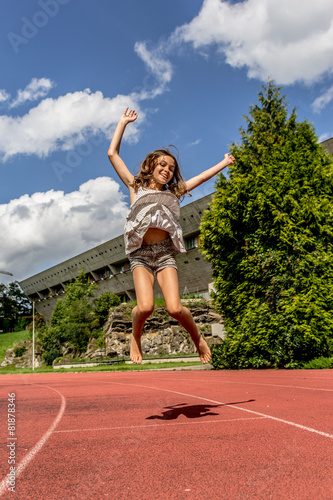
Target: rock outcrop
point(161, 335)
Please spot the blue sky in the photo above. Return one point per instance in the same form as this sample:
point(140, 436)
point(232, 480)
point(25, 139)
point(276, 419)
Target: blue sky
point(191, 68)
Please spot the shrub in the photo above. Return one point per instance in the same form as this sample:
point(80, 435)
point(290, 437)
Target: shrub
point(22, 324)
point(51, 355)
point(19, 351)
point(103, 304)
point(319, 363)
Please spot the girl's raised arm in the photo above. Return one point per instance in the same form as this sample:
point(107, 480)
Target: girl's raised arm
point(209, 173)
point(113, 153)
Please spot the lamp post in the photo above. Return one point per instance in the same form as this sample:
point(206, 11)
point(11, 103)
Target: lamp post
point(33, 335)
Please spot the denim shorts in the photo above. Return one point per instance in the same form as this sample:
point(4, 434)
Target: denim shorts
point(154, 257)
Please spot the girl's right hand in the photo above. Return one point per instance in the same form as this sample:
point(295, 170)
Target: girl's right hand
point(229, 159)
point(129, 116)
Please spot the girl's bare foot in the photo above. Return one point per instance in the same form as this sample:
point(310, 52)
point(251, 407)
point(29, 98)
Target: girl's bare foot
point(203, 350)
point(136, 352)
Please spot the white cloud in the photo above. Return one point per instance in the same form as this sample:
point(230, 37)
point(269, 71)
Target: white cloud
point(157, 65)
point(62, 123)
point(324, 137)
point(36, 89)
point(46, 228)
point(194, 143)
point(322, 101)
point(288, 41)
point(4, 96)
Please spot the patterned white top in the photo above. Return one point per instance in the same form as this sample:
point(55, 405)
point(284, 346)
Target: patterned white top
point(151, 208)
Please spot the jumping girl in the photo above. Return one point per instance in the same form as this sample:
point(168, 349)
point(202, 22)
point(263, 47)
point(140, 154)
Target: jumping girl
point(153, 235)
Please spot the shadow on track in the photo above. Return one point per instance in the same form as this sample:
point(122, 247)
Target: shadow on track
point(190, 411)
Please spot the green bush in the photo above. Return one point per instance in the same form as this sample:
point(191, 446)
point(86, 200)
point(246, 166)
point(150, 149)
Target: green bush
point(99, 336)
point(100, 344)
point(103, 304)
point(51, 338)
point(51, 355)
point(19, 351)
point(22, 324)
point(319, 363)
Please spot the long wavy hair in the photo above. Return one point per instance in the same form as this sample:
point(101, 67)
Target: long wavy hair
point(176, 185)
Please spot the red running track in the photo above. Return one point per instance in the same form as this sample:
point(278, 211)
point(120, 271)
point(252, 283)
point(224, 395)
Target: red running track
point(170, 435)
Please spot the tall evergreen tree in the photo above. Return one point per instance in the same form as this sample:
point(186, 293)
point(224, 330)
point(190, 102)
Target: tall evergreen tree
point(268, 234)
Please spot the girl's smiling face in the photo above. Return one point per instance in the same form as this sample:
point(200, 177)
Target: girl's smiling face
point(163, 172)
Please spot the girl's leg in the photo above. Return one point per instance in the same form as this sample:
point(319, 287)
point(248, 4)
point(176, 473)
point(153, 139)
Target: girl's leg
point(144, 289)
point(168, 280)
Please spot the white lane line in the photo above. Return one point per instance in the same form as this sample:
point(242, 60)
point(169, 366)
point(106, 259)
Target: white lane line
point(260, 383)
point(293, 424)
point(277, 385)
point(156, 425)
point(39, 445)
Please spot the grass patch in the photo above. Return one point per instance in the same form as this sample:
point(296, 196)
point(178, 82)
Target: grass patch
point(318, 364)
point(7, 340)
point(102, 368)
point(117, 359)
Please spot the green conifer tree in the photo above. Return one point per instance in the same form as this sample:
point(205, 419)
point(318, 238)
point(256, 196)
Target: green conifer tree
point(268, 234)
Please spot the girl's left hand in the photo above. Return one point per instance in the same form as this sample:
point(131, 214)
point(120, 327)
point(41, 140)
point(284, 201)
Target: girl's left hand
point(229, 158)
